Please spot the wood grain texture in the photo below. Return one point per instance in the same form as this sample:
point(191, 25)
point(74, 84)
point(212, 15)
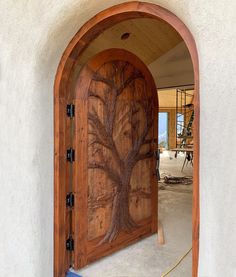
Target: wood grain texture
point(160, 235)
point(115, 186)
point(62, 93)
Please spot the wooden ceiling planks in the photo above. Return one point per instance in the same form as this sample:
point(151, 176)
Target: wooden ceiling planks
point(149, 39)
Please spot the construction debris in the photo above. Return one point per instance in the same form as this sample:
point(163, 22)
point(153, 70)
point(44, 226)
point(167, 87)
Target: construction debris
point(172, 180)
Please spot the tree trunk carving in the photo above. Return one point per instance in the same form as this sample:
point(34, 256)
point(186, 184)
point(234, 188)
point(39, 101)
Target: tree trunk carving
point(117, 167)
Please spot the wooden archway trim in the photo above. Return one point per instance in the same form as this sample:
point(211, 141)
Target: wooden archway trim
point(78, 44)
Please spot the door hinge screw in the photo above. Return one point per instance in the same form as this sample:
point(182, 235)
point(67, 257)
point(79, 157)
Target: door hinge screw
point(70, 155)
point(70, 199)
point(70, 110)
point(70, 244)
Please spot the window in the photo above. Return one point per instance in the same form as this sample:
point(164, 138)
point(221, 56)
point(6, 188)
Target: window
point(163, 130)
point(180, 124)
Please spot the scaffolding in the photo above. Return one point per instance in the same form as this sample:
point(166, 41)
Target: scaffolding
point(184, 117)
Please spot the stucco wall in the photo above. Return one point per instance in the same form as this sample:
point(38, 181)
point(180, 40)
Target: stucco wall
point(33, 35)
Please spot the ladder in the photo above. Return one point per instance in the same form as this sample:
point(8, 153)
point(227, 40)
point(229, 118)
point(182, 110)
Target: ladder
point(187, 132)
point(184, 112)
point(190, 124)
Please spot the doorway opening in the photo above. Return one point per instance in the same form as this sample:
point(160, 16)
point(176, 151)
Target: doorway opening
point(103, 32)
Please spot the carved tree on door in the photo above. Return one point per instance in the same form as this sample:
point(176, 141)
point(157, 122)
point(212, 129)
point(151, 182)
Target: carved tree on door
point(117, 167)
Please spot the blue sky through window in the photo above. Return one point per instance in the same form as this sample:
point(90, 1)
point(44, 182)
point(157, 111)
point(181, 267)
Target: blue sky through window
point(163, 130)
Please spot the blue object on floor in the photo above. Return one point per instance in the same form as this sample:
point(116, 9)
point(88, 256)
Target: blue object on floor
point(72, 274)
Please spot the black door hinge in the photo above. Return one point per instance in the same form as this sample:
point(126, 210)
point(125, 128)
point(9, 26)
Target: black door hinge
point(70, 155)
point(70, 110)
point(70, 244)
point(70, 199)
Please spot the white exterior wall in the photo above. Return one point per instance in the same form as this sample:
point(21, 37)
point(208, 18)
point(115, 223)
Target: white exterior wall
point(33, 35)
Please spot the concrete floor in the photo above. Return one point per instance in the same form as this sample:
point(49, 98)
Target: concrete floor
point(146, 258)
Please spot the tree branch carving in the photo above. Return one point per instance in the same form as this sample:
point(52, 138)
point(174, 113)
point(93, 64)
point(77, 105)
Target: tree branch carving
point(119, 170)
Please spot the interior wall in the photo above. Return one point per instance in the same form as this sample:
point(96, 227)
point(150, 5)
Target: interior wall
point(174, 68)
point(33, 37)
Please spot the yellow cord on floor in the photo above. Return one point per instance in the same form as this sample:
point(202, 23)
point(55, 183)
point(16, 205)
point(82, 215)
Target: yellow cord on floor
point(180, 260)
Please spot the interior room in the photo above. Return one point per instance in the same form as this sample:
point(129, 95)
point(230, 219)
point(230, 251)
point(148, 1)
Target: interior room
point(162, 49)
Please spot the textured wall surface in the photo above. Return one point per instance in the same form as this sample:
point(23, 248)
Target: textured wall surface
point(33, 35)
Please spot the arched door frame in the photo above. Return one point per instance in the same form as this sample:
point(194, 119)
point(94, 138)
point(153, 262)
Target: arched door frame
point(63, 80)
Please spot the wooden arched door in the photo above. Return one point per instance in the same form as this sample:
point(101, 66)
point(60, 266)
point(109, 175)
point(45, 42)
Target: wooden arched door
point(115, 137)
